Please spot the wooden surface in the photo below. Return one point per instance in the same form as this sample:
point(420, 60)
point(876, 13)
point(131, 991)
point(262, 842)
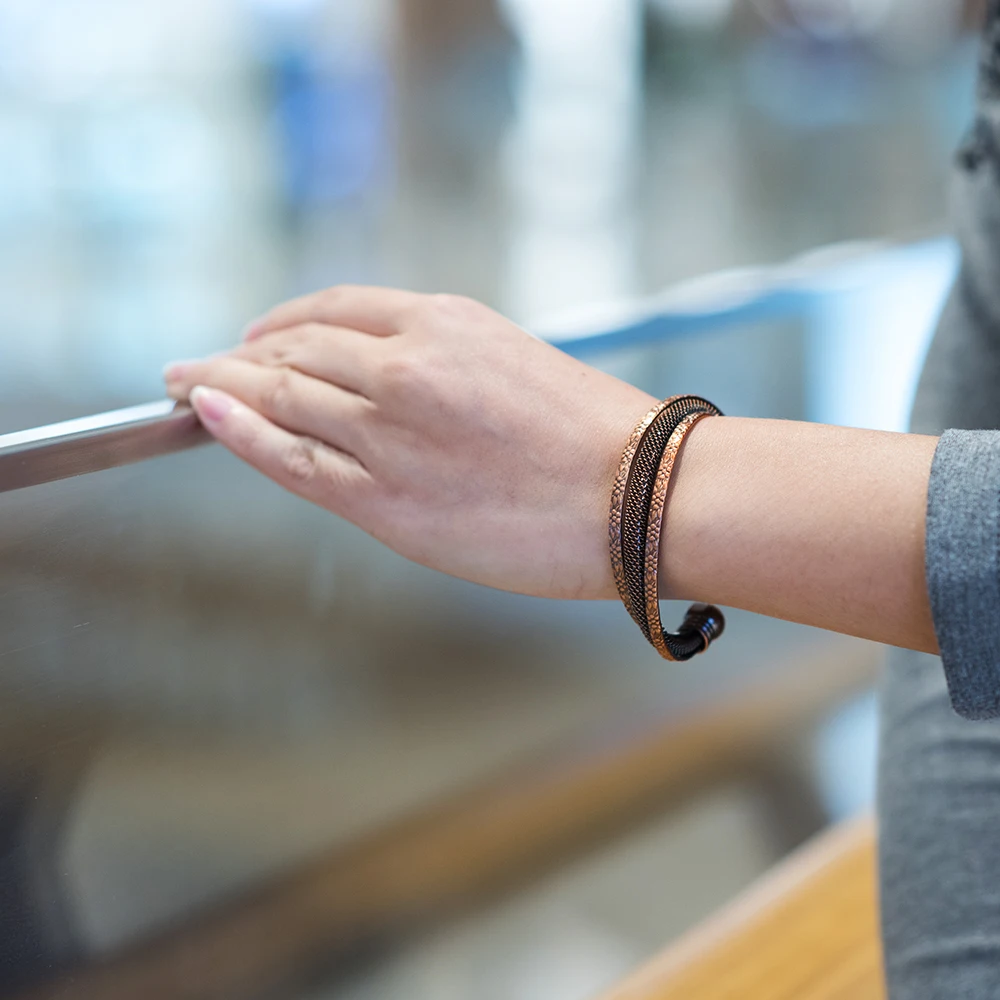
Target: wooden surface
point(807, 931)
point(467, 850)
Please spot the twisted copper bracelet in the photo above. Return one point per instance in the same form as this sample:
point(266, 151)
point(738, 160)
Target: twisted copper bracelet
point(618, 504)
point(639, 496)
point(637, 505)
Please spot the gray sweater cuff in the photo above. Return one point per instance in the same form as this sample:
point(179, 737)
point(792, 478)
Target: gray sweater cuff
point(963, 567)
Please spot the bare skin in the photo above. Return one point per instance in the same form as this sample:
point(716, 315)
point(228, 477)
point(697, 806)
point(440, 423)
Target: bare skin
point(465, 444)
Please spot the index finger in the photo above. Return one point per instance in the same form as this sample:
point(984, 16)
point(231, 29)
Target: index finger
point(378, 311)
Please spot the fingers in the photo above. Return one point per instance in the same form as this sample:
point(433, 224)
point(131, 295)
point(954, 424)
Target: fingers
point(309, 468)
point(377, 311)
point(296, 402)
point(331, 353)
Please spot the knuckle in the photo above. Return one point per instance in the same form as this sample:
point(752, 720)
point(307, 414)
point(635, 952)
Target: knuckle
point(282, 350)
point(448, 300)
point(451, 306)
point(301, 461)
point(278, 397)
point(335, 295)
point(403, 374)
point(278, 355)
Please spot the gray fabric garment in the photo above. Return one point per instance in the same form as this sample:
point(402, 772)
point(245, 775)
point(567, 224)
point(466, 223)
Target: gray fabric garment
point(963, 532)
point(939, 773)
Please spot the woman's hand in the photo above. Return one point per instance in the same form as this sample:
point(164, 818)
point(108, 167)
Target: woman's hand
point(435, 425)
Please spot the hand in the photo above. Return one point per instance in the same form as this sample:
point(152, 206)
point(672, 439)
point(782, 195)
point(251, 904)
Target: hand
point(434, 424)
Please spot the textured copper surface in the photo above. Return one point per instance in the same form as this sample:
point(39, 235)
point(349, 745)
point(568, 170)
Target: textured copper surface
point(639, 494)
point(654, 526)
point(618, 501)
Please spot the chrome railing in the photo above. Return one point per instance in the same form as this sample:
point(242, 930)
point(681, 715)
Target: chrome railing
point(739, 297)
point(92, 444)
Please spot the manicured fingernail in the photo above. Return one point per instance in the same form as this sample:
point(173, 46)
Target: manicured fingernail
point(176, 370)
point(213, 406)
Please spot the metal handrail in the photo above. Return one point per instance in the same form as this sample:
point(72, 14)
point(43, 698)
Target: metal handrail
point(108, 440)
point(93, 444)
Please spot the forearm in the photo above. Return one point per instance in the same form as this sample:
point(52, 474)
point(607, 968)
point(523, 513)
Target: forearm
point(813, 524)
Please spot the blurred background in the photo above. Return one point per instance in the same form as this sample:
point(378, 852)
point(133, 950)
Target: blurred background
point(199, 687)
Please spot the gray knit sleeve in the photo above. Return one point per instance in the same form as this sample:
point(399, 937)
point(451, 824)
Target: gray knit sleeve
point(963, 567)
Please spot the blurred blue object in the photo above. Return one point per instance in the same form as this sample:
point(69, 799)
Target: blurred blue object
point(869, 313)
point(747, 295)
point(810, 83)
point(869, 336)
point(845, 755)
point(332, 127)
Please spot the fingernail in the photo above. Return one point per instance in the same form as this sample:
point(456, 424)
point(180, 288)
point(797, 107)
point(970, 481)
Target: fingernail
point(251, 330)
point(212, 406)
point(176, 370)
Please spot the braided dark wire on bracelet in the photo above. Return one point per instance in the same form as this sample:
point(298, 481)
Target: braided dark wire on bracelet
point(637, 508)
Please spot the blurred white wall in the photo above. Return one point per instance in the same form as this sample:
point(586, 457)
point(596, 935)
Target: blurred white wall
point(571, 152)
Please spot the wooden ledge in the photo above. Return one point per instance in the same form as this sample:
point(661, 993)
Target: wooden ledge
point(806, 931)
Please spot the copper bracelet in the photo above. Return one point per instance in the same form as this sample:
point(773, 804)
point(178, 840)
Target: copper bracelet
point(618, 503)
point(637, 505)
